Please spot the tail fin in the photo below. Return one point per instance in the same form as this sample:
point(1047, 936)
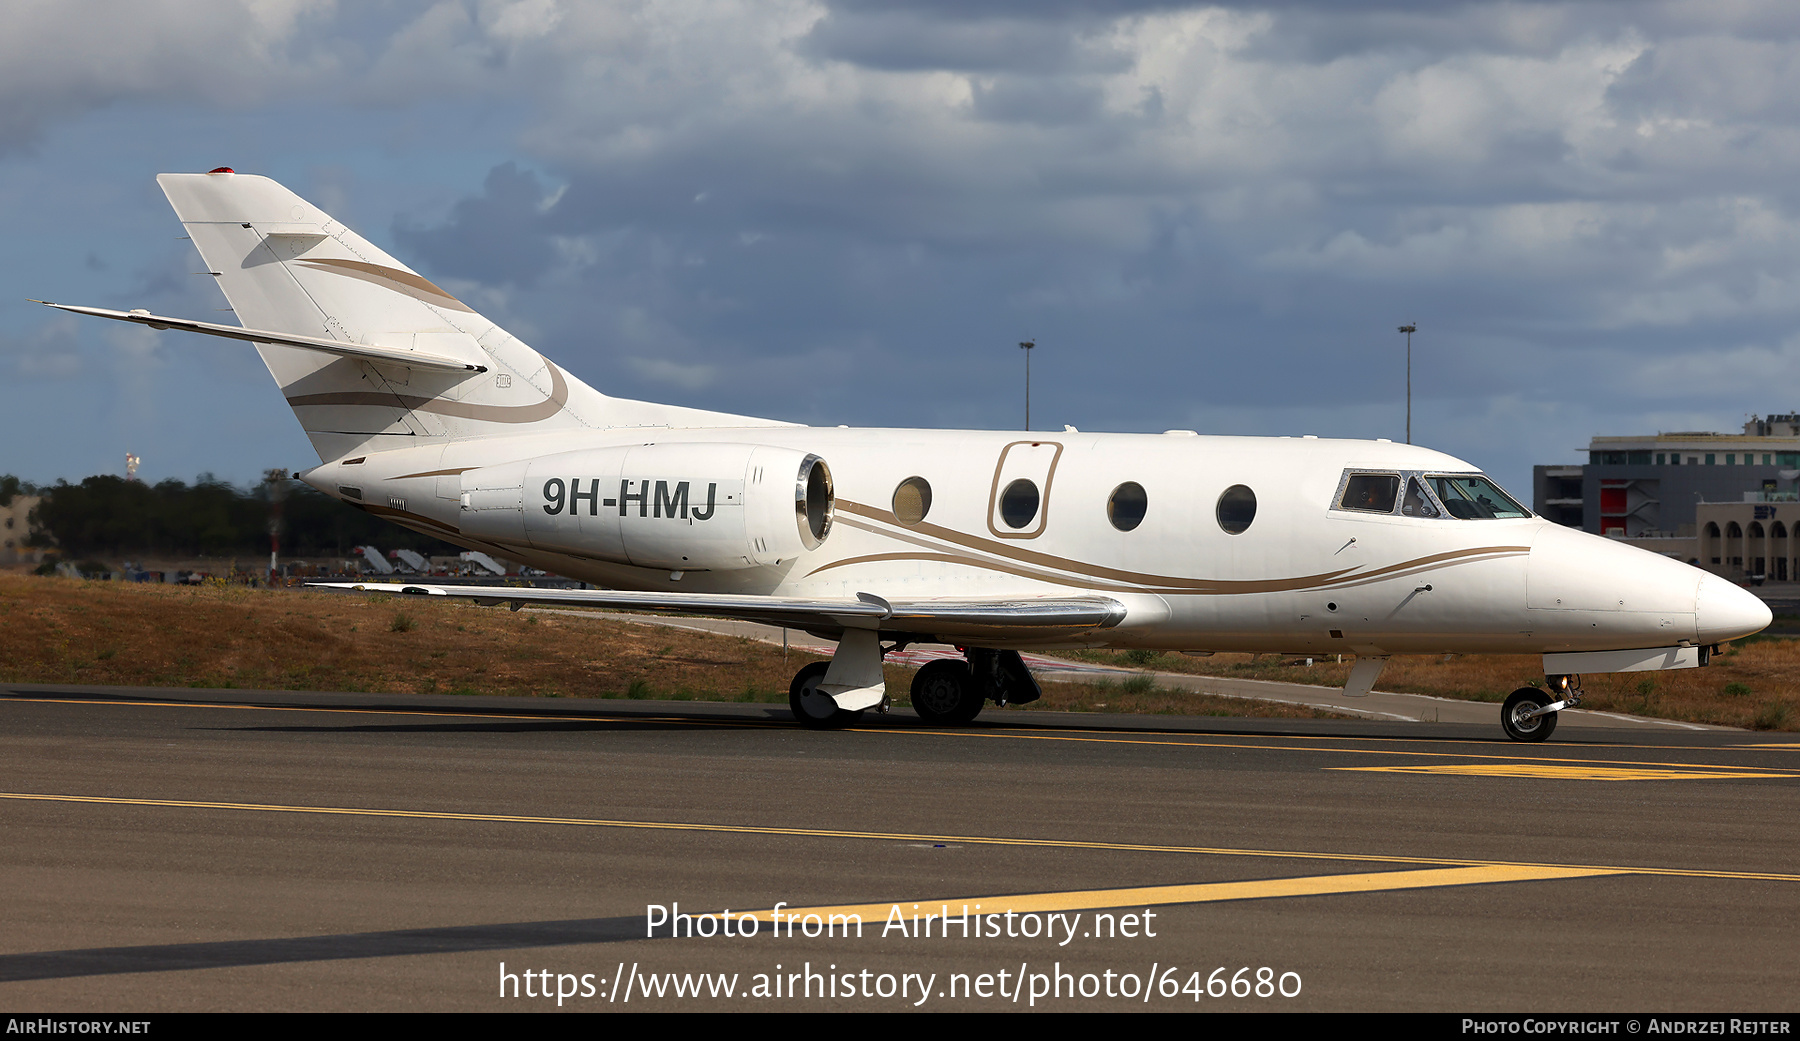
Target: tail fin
point(286, 266)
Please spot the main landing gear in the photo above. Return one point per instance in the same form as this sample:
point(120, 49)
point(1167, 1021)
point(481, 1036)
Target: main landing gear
point(944, 694)
point(813, 707)
point(950, 693)
point(1530, 714)
point(947, 692)
point(830, 694)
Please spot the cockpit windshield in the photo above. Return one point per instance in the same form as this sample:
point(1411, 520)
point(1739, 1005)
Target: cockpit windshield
point(1474, 497)
point(1427, 495)
point(1418, 503)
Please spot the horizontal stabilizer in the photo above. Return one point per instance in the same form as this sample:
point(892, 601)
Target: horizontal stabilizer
point(342, 348)
point(1015, 619)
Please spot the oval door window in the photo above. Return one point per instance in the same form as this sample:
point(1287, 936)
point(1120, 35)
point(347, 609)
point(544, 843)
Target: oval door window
point(1019, 503)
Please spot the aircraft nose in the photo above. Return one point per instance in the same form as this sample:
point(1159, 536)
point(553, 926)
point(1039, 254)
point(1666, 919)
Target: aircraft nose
point(1723, 611)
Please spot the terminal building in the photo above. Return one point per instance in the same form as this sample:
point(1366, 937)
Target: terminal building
point(1725, 502)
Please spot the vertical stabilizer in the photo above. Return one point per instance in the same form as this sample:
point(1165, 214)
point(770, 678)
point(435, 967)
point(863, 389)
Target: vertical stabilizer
point(287, 266)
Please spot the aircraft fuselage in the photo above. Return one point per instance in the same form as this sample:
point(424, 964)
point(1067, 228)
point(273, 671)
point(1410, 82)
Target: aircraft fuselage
point(677, 511)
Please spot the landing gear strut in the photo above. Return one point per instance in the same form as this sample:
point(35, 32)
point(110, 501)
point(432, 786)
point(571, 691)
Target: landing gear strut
point(829, 694)
point(1530, 714)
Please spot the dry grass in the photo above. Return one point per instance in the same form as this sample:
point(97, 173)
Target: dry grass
point(56, 630)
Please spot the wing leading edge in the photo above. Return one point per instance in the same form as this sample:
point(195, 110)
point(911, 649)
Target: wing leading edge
point(1022, 619)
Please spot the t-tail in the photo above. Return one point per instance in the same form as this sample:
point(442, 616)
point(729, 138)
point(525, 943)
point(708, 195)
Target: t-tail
point(371, 355)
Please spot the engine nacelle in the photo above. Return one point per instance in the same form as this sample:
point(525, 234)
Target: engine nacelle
point(677, 507)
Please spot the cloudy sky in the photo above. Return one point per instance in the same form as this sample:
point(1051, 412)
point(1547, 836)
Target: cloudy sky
point(851, 211)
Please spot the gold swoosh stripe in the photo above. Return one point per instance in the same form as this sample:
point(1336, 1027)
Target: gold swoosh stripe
point(1077, 571)
point(1140, 581)
point(1027, 556)
point(1021, 572)
point(1016, 570)
point(550, 406)
point(1457, 556)
point(403, 516)
point(1425, 564)
point(404, 282)
point(452, 472)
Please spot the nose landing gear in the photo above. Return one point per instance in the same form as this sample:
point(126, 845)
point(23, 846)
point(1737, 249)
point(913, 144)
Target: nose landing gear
point(1530, 714)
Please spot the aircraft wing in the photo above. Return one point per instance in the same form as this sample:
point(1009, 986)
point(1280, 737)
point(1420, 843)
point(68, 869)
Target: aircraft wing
point(1016, 619)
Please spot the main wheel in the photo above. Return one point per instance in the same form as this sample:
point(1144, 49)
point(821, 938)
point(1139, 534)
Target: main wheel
point(1513, 718)
point(944, 693)
point(812, 707)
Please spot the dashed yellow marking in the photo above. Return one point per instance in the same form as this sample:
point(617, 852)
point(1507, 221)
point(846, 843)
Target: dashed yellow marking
point(894, 836)
point(1576, 772)
point(1198, 893)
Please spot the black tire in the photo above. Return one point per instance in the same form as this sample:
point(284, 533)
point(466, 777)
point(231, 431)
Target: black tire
point(811, 709)
point(1523, 700)
point(944, 694)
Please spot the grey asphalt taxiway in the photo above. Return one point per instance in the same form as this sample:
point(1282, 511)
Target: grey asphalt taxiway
point(196, 850)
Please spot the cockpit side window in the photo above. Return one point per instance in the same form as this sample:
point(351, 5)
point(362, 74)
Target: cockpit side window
point(1370, 493)
point(1474, 497)
point(1418, 503)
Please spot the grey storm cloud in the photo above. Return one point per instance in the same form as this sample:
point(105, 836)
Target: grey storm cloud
point(1577, 201)
point(58, 61)
point(497, 237)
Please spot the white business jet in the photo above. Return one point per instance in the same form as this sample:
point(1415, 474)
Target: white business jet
point(427, 414)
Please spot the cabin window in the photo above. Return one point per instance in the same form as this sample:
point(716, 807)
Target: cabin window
point(912, 500)
point(1237, 508)
point(1019, 503)
point(1474, 497)
point(1370, 493)
point(1126, 507)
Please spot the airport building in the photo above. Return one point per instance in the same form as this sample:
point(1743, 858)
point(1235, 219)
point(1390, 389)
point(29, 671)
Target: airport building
point(1726, 502)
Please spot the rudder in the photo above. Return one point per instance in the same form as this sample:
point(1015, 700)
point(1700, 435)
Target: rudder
point(286, 266)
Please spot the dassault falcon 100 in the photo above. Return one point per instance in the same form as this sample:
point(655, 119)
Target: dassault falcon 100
point(427, 414)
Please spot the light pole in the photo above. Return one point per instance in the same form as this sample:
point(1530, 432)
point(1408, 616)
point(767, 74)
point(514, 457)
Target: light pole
point(1026, 346)
point(1409, 328)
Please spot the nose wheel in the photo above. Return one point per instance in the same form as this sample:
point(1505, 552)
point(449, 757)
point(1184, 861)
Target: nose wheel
point(1529, 713)
point(1526, 716)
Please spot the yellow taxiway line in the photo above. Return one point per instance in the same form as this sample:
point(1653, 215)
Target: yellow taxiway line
point(1571, 771)
point(887, 836)
point(1199, 893)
